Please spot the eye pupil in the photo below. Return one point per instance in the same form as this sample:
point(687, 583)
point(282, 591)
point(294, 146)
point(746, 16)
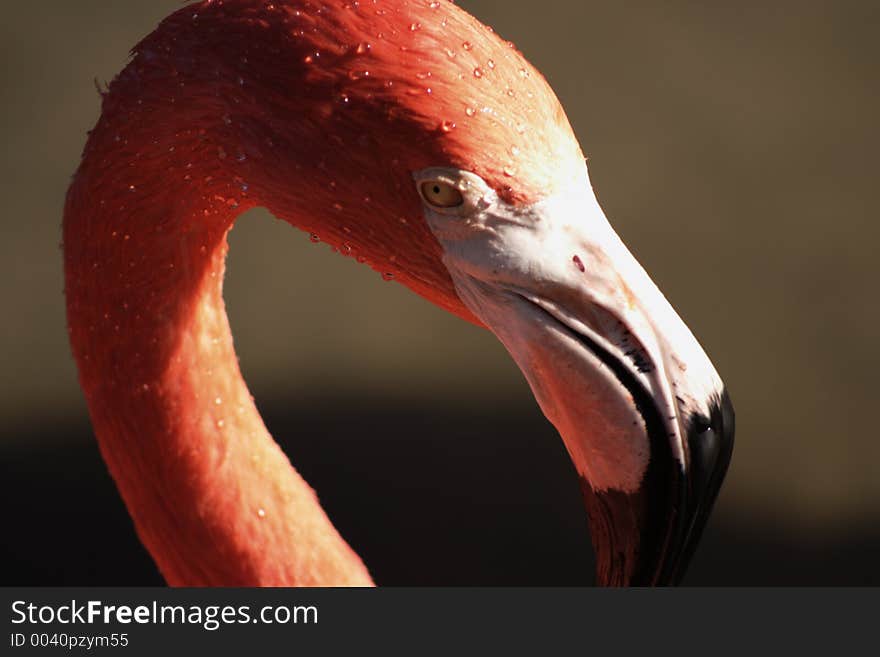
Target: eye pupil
point(436, 189)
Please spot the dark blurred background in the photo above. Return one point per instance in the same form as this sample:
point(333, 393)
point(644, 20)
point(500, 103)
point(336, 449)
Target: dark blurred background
point(733, 145)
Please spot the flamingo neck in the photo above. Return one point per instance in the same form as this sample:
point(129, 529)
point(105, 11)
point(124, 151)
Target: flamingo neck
point(212, 496)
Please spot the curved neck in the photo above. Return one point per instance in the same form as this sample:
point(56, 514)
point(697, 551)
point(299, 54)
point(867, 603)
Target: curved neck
point(213, 497)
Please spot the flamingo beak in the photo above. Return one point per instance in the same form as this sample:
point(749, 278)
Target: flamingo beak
point(650, 453)
point(648, 426)
point(643, 414)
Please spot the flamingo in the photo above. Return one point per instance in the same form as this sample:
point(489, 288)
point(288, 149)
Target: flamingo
point(410, 136)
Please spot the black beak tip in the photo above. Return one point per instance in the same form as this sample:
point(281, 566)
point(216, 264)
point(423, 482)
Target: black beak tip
point(647, 538)
point(710, 448)
point(710, 445)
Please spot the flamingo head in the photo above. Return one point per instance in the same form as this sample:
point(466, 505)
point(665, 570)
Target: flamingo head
point(411, 136)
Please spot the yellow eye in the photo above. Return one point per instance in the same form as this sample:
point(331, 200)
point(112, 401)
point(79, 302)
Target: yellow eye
point(441, 194)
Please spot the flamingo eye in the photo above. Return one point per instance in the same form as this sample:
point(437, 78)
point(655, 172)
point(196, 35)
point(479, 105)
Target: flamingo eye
point(441, 194)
